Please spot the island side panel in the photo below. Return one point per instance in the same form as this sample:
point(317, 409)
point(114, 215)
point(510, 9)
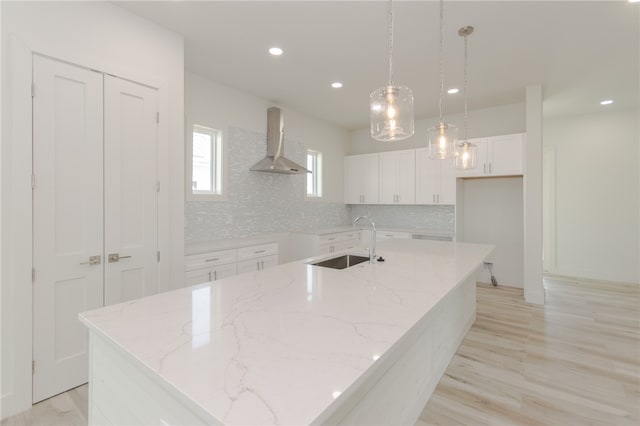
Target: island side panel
point(121, 393)
point(402, 392)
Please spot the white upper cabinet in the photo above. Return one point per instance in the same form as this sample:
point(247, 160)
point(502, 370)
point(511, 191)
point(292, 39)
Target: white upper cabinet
point(498, 156)
point(397, 177)
point(435, 180)
point(507, 154)
point(361, 179)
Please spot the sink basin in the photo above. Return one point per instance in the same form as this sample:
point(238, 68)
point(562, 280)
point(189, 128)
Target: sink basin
point(342, 262)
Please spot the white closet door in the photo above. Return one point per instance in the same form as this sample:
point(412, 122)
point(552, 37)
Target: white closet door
point(131, 193)
point(67, 220)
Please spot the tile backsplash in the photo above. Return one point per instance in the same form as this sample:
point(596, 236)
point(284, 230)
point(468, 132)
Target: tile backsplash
point(259, 203)
point(433, 218)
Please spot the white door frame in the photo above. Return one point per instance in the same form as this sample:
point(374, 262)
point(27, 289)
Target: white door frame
point(17, 235)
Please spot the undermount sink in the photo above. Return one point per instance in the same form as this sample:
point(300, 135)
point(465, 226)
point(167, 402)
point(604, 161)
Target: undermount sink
point(342, 262)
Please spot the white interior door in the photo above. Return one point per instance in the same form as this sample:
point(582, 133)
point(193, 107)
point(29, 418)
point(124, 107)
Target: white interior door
point(67, 220)
point(131, 190)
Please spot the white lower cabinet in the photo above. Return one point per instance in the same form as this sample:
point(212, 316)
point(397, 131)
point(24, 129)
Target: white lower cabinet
point(204, 275)
point(257, 264)
point(307, 245)
point(215, 265)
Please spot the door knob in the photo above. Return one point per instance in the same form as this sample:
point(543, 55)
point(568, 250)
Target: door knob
point(115, 257)
point(93, 260)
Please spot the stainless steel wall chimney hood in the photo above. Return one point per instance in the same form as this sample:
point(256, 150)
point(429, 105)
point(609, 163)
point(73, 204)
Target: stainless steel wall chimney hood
point(275, 162)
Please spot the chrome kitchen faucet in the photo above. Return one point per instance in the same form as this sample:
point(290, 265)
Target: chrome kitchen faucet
point(372, 246)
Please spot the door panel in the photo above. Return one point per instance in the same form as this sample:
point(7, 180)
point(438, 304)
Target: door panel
point(67, 220)
point(131, 196)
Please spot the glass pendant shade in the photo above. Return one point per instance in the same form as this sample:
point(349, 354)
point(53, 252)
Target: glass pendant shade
point(443, 139)
point(391, 109)
point(466, 156)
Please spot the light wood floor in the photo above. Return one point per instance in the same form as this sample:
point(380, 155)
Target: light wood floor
point(575, 361)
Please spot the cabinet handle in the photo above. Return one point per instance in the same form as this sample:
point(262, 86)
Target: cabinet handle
point(215, 275)
point(259, 251)
point(438, 198)
point(489, 167)
point(262, 264)
point(212, 259)
point(484, 168)
point(209, 275)
point(433, 197)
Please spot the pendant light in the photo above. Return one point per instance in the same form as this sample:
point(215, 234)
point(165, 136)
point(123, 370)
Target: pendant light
point(442, 137)
point(391, 106)
point(466, 152)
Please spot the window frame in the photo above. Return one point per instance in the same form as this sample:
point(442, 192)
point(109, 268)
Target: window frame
point(315, 175)
point(219, 154)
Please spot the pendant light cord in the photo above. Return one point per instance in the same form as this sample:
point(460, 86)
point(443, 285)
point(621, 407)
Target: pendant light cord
point(466, 88)
point(441, 54)
point(390, 33)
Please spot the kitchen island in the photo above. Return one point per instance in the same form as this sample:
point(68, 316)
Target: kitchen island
point(294, 344)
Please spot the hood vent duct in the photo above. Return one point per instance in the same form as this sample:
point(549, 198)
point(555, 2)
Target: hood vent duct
point(275, 162)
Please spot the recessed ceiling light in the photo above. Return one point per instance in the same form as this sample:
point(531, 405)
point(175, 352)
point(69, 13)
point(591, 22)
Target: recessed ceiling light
point(453, 91)
point(606, 102)
point(336, 85)
point(275, 51)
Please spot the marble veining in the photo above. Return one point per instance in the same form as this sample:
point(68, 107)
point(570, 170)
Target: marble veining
point(286, 344)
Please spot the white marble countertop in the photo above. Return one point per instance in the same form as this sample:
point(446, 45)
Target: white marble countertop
point(288, 344)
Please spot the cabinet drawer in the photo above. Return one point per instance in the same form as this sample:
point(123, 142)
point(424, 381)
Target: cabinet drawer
point(383, 235)
point(253, 252)
point(329, 238)
point(206, 260)
point(348, 236)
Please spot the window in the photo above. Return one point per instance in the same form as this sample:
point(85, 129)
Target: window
point(205, 168)
point(314, 179)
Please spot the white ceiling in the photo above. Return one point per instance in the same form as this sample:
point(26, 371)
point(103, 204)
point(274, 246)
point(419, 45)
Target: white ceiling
point(581, 52)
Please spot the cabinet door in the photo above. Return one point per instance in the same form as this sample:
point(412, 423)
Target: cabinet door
point(269, 261)
point(251, 265)
point(481, 159)
point(447, 184)
point(197, 276)
point(406, 177)
point(257, 264)
point(223, 271)
point(506, 155)
point(427, 172)
point(388, 177)
point(361, 174)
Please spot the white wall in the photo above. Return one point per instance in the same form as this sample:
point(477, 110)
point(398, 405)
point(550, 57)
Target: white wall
point(532, 194)
point(101, 36)
point(494, 215)
point(592, 205)
point(207, 101)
